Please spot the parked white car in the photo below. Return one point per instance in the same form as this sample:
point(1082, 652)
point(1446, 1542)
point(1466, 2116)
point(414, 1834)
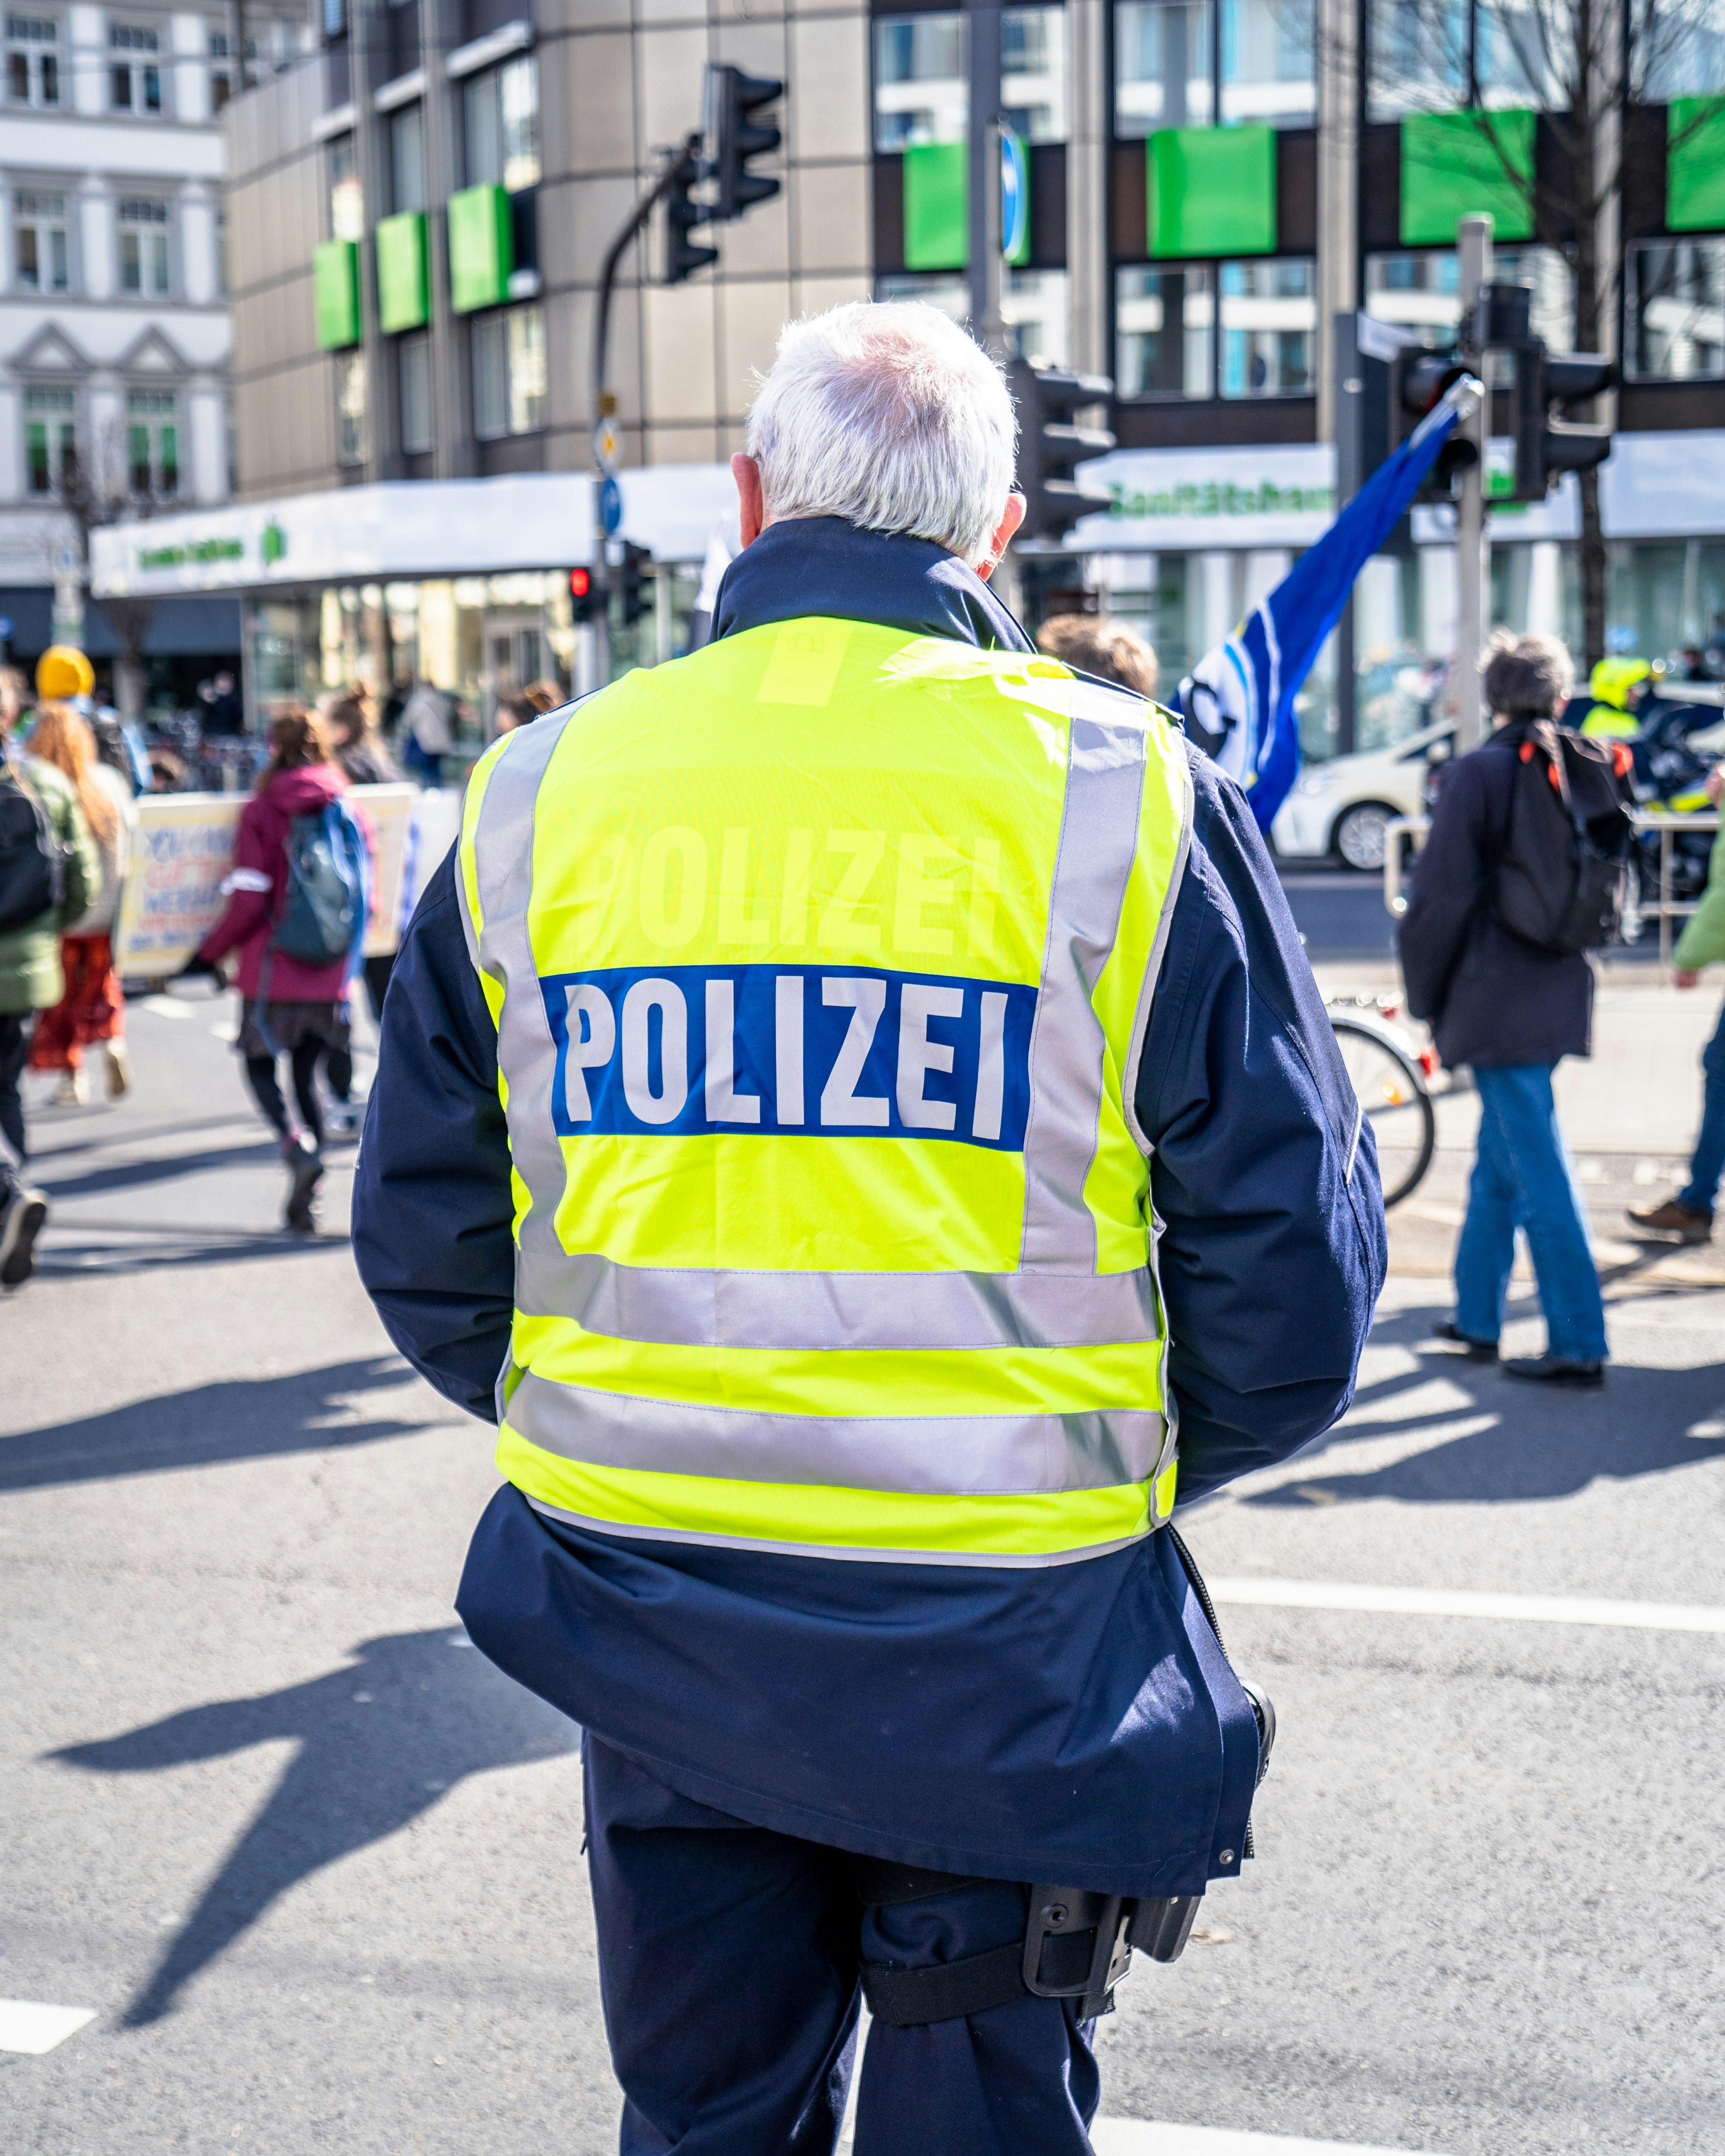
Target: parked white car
point(1345, 806)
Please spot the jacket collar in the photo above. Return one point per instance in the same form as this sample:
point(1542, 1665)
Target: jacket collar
point(821, 565)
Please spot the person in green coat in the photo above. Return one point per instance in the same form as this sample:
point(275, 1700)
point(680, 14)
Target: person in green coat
point(1689, 1215)
point(31, 981)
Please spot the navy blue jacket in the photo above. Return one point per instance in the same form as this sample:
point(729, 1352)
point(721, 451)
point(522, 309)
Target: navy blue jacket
point(1074, 1722)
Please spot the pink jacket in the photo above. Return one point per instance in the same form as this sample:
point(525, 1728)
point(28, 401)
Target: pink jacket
point(257, 888)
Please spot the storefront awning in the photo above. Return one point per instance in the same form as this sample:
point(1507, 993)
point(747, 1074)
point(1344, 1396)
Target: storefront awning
point(406, 530)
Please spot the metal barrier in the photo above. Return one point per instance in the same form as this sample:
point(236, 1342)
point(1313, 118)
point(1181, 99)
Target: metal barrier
point(1665, 910)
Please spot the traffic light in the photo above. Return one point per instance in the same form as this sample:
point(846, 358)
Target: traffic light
point(1052, 444)
point(682, 256)
point(733, 137)
point(631, 582)
point(1418, 380)
point(1548, 447)
point(580, 595)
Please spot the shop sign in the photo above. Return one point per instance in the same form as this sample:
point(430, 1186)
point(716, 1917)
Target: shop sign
point(1264, 496)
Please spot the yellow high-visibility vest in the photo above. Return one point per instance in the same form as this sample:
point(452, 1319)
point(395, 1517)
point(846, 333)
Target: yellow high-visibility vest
point(820, 961)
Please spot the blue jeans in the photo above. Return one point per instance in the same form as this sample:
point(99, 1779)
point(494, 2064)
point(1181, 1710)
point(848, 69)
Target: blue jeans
point(1522, 1179)
point(1707, 1163)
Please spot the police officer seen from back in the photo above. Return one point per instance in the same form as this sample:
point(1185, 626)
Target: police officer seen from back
point(932, 1161)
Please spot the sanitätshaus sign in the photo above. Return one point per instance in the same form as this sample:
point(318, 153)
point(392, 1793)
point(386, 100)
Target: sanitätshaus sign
point(1181, 501)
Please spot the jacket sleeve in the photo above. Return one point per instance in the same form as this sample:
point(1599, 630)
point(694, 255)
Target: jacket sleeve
point(433, 1209)
point(1703, 938)
point(83, 863)
point(251, 881)
point(1448, 880)
point(1263, 1177)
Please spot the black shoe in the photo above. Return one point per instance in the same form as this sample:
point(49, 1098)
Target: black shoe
point(22, 1213)
point(1478, 1351)
point(1556, 1370)
point(304, 1173)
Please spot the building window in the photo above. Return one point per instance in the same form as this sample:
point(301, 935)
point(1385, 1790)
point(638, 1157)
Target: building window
point(1676, 331)
point(33, 60)
point(153, 441)
point(135, 80)
point(502, 110)
point(350, 428)
point(142, 229)
point(41, 246)
point(417, 438)
point(509, 372)
point(1164, 330)
point(50, 438)
point(1422, 292)
point(1442, 55)
point(1180, 63)
point(347, 202)
point(1269, 312)
point(407, 158)
point(922, 92)
point(1033, 308)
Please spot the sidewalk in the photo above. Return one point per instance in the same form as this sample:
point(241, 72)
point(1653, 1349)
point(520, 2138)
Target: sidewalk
point(1630, 1114)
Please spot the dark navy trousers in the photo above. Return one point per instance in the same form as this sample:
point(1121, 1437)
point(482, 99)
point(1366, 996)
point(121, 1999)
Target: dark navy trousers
point(728, 1962)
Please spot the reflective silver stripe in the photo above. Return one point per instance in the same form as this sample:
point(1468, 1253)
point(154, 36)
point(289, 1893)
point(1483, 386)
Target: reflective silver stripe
point(844, 1552)
point(932, 1455)
point(1099, 840)
point(1146, 993)
point(791, 1311)
point(526, 1055)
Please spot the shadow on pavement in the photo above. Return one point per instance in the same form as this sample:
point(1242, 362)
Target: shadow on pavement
point(1539, 1443)
point(161, 1167)
point(380, 1741)
point(241, 1419)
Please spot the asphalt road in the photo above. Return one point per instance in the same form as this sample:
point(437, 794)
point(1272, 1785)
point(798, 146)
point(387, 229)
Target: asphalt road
point(315, 1866)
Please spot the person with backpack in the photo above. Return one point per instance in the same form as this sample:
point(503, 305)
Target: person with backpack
point(48, 876)
point(1522, 873)
point(298, 895)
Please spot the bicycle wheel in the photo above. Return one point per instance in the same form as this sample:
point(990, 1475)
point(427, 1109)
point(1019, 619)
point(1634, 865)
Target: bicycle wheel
point(1391, 1090)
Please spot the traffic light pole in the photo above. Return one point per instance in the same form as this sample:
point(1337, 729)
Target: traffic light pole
point(986, 270)
point(1473, 549)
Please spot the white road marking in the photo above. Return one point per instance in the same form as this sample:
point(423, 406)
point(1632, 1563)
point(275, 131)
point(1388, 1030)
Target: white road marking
point(163, 1006)
point(1141, 2137)
point(25, 2026)
point(1458, 1602)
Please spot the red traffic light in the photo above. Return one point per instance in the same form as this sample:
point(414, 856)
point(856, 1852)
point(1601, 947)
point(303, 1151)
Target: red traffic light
point(580, 583)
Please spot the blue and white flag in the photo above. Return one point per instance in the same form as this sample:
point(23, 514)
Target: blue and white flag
point(1239, 701)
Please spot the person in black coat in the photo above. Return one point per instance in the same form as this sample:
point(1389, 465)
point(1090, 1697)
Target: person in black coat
point(1511, 1011)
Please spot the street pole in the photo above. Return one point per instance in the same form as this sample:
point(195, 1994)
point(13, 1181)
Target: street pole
point(1473, 549)
point(606, 443)
point(986, 326)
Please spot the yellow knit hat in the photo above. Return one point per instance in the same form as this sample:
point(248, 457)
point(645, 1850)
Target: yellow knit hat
point(63, 671)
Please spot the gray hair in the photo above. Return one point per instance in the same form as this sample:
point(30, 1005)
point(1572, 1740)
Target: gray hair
point(1526, 677)
point(888, 415)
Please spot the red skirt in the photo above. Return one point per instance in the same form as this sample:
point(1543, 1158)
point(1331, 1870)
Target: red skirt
point(92, 1008)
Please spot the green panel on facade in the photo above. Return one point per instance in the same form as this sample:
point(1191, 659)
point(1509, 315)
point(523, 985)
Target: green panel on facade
point(404, 284)
point(1461, 164)
point(481, 249)
point(335, 291)
point(937, 206)
point(1212, 191)
point(1695, 164)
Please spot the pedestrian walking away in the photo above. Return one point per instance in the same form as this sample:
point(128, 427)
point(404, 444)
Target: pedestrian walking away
point(49, 875)
point(782, 1092)
point(1511, 1009)
point(1689, 1215)
point(92, 1011)
point(293, 992)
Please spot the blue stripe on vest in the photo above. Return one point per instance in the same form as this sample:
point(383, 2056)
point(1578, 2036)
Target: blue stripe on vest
point(804, 1049)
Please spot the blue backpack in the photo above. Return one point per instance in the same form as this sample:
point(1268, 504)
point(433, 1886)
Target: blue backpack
point(329, 888)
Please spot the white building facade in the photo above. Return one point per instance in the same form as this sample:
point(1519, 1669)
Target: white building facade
point(115, 329)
